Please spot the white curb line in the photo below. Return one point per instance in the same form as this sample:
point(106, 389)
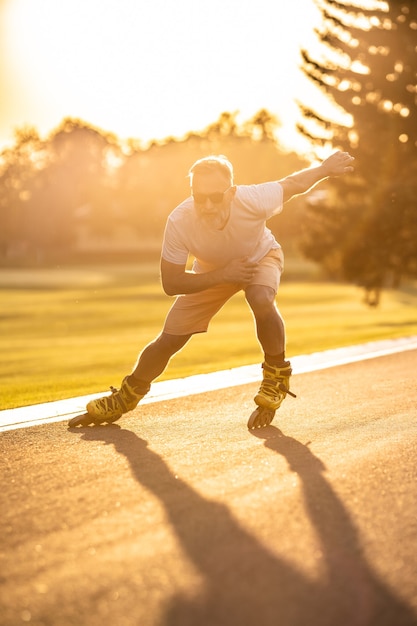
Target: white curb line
point(62, 410)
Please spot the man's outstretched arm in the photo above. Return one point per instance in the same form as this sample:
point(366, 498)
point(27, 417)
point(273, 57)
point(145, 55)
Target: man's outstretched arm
point(337, 164)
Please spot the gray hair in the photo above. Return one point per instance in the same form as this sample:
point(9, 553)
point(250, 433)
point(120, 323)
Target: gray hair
point(213, 163)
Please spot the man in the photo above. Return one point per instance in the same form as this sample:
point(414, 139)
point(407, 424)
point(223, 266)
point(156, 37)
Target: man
point(222, 226)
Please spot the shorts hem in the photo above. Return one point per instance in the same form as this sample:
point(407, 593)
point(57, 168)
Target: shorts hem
point(184, 333)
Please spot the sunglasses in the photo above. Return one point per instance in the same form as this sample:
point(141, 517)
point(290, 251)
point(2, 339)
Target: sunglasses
point(215, 198)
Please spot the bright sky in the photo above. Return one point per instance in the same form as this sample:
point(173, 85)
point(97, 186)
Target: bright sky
point(150, 68)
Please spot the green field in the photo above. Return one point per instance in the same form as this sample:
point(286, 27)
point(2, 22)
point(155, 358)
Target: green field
point(68, 332)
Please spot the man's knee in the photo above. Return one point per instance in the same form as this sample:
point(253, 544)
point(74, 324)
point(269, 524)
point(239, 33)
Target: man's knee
point(261, 299)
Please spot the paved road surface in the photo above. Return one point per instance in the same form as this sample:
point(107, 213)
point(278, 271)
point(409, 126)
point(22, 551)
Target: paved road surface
point(181, 517)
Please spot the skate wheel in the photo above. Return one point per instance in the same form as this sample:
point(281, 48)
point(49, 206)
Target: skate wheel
point(81, 420)
point(260, 418)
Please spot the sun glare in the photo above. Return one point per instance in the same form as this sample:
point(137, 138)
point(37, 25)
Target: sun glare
point(154, 69)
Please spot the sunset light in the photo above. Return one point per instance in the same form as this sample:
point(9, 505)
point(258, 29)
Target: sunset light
point(208, 329)
point(150, 69)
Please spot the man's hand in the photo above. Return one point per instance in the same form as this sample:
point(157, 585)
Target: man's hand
point(239, 271)
point(337, 164)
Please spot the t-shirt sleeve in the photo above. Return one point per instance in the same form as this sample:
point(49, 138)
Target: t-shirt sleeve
point(173, 248)
point(264, 198)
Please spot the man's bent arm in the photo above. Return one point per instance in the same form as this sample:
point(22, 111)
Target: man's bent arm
point(337, 164)
point(176, 280)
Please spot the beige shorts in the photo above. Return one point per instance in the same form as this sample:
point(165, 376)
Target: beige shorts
point(192, 313)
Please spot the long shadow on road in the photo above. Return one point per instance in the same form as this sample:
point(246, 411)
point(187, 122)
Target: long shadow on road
point(244, 582)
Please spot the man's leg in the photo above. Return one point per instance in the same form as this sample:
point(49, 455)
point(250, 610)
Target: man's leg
point(188, 315)
point(134, 387)
point(155, 357)
point(270, 328)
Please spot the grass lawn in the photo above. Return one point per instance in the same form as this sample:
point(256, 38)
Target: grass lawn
point(68, 332)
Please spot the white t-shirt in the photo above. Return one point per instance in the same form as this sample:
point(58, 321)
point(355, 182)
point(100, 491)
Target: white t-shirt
point(244, 235)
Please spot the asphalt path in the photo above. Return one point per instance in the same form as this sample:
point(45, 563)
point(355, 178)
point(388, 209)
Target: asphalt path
point(179, 516)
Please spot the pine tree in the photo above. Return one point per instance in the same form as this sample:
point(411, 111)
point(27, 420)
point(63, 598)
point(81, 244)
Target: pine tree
point(366, 231)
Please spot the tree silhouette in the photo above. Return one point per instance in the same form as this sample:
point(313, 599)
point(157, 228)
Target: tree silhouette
point(19, 182)
point(366, 227)
point(79, 177)
point(44, 183)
